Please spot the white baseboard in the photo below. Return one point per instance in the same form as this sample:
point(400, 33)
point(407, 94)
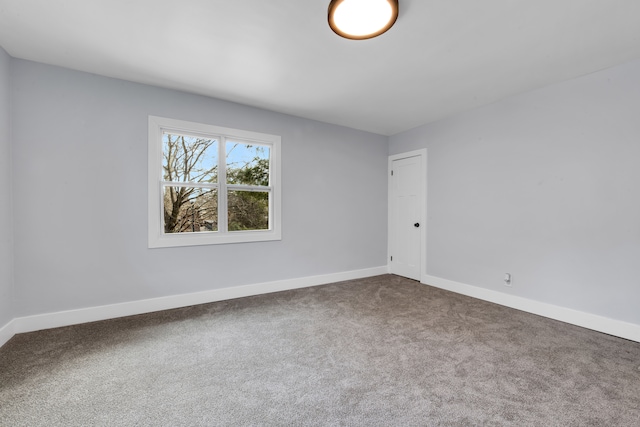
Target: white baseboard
point(6, 332)
point(92, 314)
point(595, 322)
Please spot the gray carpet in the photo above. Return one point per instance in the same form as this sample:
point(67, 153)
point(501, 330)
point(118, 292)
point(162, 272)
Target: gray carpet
point(383, 351)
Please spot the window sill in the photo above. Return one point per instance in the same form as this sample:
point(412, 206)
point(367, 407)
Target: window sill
point(211, 238)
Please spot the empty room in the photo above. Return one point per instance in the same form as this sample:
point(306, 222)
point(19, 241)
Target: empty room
point(321, 212)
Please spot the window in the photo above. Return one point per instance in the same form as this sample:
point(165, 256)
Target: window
point(211, 185)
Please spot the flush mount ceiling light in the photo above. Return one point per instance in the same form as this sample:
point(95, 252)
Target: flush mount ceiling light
point(362, 19)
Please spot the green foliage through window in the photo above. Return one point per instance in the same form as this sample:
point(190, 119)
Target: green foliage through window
point(194, 160)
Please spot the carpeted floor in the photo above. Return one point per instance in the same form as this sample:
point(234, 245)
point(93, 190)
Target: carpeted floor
point(382, 351)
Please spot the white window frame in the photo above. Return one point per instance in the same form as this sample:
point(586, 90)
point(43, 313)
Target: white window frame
point(156, 235)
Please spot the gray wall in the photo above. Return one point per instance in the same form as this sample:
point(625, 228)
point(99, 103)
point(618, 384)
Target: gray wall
point(545, 186)
point(80, 195)
point(6, 229)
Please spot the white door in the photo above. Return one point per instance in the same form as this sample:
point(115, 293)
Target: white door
point(407, 182)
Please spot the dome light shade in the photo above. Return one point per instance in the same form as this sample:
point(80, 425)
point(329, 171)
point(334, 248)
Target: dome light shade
point(362, 19)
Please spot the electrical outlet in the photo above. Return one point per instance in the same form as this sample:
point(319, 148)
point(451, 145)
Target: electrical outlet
point(507, 279)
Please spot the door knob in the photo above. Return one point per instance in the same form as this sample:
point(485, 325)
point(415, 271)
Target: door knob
point(417, 224)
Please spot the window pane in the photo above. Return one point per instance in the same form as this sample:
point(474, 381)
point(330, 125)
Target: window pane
point(247, 164)
point(189, 158)
point(189, 210)
point(248, 210)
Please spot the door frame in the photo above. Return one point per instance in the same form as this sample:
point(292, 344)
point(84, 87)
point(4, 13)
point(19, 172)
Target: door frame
point(422, 153)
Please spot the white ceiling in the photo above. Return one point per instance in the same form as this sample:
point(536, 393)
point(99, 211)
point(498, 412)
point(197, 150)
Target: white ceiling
point(441, 57)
